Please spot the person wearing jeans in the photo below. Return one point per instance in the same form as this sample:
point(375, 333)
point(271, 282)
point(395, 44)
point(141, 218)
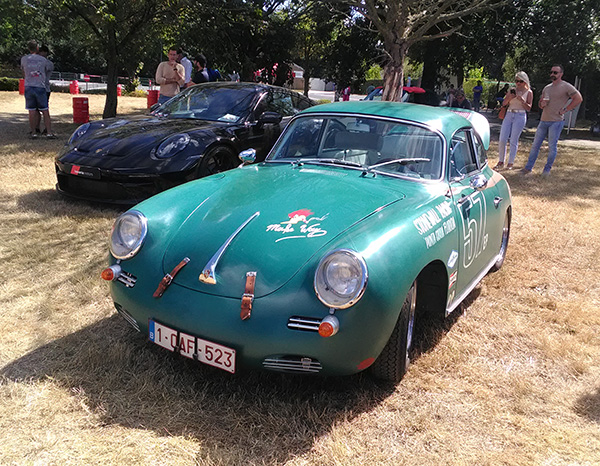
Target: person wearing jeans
point(558, 98)
point(551, 130)
point(517, 102)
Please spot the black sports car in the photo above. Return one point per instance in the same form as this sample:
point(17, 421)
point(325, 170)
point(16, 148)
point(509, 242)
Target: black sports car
point(197, 133)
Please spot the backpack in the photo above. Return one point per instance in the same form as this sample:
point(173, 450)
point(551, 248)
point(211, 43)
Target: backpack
point(213, 75)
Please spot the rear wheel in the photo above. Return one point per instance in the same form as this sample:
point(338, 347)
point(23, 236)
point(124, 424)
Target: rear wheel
point(216, 160)
point(503, 245)
point(393, 361)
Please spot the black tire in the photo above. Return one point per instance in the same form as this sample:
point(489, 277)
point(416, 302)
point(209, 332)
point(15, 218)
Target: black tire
point(503, 244)
point(216, 160)
point(392, 363)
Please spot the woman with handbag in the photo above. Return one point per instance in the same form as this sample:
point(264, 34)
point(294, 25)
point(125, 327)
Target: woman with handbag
point(515, 105)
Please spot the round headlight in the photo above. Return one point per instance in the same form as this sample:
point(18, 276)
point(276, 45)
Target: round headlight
point(172, 145)
point(79, 132)
point(128, 234)
point(341, 278)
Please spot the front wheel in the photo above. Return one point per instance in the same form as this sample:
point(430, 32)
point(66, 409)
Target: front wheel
point(503, 244)
point(393, 361)
point(216, 160)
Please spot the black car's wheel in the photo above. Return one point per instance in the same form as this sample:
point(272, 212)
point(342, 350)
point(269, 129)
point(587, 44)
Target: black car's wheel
point(217, 160)
point(393, 361)
point(503, 244)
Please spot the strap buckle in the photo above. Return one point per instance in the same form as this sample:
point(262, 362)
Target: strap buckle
point(248, 296)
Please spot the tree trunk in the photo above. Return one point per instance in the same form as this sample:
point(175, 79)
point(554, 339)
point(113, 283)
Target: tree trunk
point(110, 105)
point(393, 80)
point(306, 78)
point(430, 68)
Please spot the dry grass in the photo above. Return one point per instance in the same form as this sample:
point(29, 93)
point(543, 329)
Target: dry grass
point(514, 380)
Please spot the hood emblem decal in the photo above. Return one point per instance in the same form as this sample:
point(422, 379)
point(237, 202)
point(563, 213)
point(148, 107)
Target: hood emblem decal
point(299, 225)
point(208, 275)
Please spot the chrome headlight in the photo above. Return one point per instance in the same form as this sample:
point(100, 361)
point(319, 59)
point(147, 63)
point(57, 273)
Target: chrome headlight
point(341, 278)
point(79, 132)
point(172, 145)
point(128, 234)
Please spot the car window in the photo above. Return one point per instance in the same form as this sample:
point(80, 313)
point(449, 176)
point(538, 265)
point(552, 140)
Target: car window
point(384, 146)
point(462, 156)
point(481, 154)
point(223, 104)
point(300, 102)
point(280, 102)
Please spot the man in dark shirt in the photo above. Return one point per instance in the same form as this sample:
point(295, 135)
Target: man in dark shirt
point(461, 100)
point(200, 74)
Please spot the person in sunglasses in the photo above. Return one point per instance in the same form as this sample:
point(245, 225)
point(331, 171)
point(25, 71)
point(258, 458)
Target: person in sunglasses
point(558, 98)
point(517, 102)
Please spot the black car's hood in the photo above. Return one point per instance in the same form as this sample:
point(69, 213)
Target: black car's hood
point(113, 143)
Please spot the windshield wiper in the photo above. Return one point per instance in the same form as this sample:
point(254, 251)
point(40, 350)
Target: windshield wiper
point(402, 161)
point(333, 161)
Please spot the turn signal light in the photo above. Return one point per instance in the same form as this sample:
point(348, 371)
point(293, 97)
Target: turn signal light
point(111, 273)
point(329, 326)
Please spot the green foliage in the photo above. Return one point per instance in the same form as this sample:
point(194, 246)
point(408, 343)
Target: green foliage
point(132, 85)
point(9, 84)
point(136, 93)
point(374, 73)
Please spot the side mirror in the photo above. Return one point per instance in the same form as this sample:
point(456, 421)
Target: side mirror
point(248, 156)
point(270, 118)
point(479, 182)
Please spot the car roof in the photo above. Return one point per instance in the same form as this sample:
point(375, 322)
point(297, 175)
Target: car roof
point(436, 117)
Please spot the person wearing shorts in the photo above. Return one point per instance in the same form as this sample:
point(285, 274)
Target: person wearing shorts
point(35, 68)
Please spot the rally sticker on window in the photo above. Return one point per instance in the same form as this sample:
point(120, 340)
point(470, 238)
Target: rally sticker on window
point(300, 224)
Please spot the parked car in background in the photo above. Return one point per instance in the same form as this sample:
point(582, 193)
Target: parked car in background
point(365, 218)
point(197, 133)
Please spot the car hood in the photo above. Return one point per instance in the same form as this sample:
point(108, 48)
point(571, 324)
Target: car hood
point(134, 137)
point(291, 214)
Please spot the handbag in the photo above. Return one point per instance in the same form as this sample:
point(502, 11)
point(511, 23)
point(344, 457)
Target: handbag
point(502, 112)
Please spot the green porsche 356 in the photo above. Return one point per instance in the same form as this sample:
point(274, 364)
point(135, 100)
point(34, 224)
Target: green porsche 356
point(364, 218)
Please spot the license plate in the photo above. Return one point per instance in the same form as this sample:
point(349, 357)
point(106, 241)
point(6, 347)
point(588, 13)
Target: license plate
point(192, 347)
point(85, 172)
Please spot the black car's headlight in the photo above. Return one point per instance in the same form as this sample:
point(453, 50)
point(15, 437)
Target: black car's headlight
point(172, 145)
point(79, 132)
point(341, 278)
point(128, 234)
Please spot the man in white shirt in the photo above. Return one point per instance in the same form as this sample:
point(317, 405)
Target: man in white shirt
point(35, 69)
point(187, 66)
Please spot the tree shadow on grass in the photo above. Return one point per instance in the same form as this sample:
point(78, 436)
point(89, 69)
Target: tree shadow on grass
point(50, 202)
point(247, 418)
point(588, 406)
point(252, 416)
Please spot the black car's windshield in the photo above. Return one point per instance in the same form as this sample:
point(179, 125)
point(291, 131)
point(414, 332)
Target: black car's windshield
point(375, 145)
point(225, 104)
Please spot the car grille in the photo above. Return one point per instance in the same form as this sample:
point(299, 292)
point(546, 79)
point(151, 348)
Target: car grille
point(127, 316)
point(102, 189)
point(308, 324)
point(292, 364)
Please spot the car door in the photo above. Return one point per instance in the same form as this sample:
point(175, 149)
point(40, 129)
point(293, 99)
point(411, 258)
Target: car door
point(473, 197)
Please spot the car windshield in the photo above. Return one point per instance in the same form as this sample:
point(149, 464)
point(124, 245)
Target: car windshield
point(375, 145)
point(200, 102)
